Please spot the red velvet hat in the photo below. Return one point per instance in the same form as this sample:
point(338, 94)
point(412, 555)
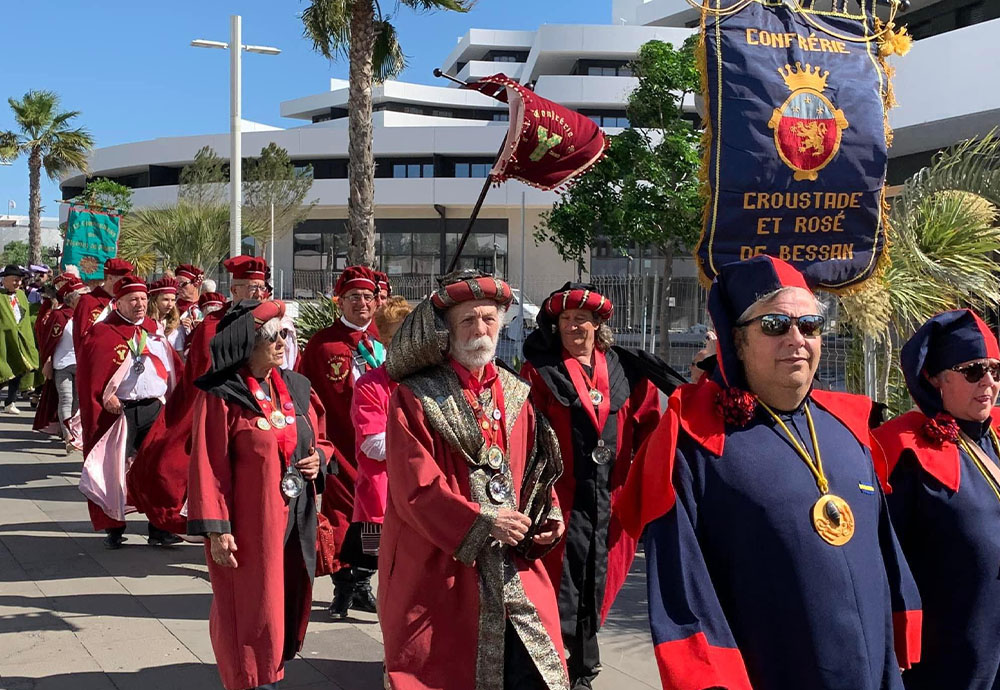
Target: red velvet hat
point(69, 283)
point(211, 299)
point(192, 273)
point(579, 296)
point(383, 283)
point(356, 278)
point(128, 285)
point(62, 278)
point(469, 285)
point(265, 311)
point(165, 285)
point(117, 267)
point(244, 267)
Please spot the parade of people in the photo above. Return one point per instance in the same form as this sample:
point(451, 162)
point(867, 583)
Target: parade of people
point(626, 345)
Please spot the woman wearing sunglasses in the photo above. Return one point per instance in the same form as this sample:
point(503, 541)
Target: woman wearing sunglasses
point(944, 497)
point(771, 561)
point(258, 445)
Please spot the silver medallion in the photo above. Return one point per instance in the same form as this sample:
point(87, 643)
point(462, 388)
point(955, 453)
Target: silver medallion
point(259, 394)
point(497, 414)
point(289, 419)
point(492, 456)
point(596, 396)
point(292, 484)
point(500, 488)
point(601, 454)
point(138, 367)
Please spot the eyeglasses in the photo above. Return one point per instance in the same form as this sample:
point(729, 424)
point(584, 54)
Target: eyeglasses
point(181, 284)
point(358, 297)
point(256, 289)
point(975, 371)
point(280, 335)
point(810, 325)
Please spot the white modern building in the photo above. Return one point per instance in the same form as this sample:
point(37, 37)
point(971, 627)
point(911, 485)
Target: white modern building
point(15, 229)
point(435, 144)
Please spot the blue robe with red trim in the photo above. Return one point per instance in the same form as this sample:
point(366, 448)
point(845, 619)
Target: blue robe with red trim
point(742, 590)
point(947, 515)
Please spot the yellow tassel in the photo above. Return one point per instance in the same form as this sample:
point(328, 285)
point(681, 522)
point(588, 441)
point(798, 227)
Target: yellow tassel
point(895, 42)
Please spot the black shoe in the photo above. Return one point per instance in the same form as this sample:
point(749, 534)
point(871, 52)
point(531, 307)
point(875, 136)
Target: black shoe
point(582, 684)
point(115, 538)
point(343, 593)
point(161, 537)
point(363, 599)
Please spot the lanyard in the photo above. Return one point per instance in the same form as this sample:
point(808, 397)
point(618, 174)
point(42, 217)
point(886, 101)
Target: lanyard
point(815, 467)
point(493, 429)
point(597, 390)
point(982, 461)
point(372, 352)
point(137, 344)
point(279, 412)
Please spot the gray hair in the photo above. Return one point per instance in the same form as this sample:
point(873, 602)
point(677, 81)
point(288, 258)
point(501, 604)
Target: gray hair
point(769, 297)
point(268, 332)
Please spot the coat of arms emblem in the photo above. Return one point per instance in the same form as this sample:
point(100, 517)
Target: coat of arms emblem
point(340, 368)
point(807, 127)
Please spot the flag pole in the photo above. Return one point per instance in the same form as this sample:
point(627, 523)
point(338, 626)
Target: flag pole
point(482, 193)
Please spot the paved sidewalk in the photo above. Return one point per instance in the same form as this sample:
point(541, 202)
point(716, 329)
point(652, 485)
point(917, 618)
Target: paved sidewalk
point(74, 616)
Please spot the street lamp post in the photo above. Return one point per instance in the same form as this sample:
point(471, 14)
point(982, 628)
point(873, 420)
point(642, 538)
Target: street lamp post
point(236, 48)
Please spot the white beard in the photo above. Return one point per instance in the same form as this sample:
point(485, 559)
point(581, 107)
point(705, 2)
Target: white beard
point(475, 353)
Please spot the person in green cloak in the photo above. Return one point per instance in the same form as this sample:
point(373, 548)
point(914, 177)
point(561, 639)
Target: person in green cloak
point(18, 352)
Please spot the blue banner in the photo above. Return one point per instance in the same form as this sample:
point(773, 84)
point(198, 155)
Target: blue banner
point(91, 239)
point(797, 150)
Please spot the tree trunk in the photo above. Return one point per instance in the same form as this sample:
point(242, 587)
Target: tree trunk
point(35, 206)
point(663, 344)
point(883, 368)
point(361, 161)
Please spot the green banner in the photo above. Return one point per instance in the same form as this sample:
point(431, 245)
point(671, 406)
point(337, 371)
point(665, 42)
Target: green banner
point(91, 239)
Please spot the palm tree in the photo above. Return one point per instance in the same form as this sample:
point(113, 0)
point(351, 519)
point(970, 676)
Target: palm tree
point(358, 30)
point(944, 247)
point(49, 141)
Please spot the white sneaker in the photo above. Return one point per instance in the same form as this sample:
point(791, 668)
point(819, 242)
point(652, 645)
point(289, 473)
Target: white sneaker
point(12, 409)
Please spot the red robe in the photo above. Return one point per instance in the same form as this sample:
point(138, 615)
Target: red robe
point(157, 480)
point(234, 488)
point(88, 308)
point(49, 329)
point(326, 362)
point(103, 352)
point(636, 418)
point(429, 580)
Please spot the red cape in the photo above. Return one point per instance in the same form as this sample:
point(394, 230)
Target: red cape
point(326, 362)
point(158, 479)
point(649, 493)
point(48, 330)
point(636, 420)
point(85, 314)
point(940, 460)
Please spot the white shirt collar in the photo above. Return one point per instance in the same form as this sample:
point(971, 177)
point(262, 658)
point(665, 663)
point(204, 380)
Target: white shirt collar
point(134, 323)
point(352, 326)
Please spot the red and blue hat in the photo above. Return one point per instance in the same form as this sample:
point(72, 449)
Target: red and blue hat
point(736, 287)
point(356, 278)
point(945, 340)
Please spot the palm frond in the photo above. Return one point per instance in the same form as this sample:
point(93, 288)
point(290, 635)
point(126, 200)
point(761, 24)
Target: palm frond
point(68, 150)
point(388, 60)
point(327, 24)
point(34, 112)
point(431, 5)
point(314, 316)
point(10, 146)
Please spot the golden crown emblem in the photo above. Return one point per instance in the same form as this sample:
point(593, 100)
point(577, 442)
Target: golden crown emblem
point(808, 78)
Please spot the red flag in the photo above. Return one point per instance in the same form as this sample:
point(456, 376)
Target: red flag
point(547, 144)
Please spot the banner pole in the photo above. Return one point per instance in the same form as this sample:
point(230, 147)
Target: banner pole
point(475, 212)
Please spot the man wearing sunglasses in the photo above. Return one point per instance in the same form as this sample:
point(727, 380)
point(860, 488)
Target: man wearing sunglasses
point(333, 360)
point(943, 467)
point(770, 557)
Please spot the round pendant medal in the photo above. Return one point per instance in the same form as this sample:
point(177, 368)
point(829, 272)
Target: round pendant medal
point(138, 367)
point(278, 420)
point(259, 394)
point(263, 424)
point(833, 519)
point(499, 488)
point(596, 396)
point(289, 419)
point(494, 457)
point(292, 484)
point(601, 454)
point(497, 415)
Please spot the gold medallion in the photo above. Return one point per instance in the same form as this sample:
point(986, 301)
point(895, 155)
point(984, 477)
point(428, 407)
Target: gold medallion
point(833, 519)
point(278, 420)
point(485, 424)
point(263, 424)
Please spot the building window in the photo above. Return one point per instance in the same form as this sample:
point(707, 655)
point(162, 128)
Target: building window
point(501, 117)
point(603, 68)
point(410, 170)
point(607, 119)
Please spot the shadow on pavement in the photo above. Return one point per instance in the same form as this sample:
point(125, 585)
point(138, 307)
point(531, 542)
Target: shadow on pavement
point(172, 677)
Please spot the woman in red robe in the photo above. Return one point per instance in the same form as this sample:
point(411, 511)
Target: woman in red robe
point(257, 449)
point(602, 407)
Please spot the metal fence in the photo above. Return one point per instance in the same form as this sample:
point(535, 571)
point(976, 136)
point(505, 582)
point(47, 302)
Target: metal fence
point(639, 302)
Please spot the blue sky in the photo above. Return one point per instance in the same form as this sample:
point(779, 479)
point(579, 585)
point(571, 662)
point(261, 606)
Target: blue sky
point(128, 68)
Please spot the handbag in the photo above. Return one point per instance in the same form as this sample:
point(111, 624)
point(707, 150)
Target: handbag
point(326, 549)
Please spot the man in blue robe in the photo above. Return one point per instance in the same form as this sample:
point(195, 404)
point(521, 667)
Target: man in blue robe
point(944, 497)
point(771, 560)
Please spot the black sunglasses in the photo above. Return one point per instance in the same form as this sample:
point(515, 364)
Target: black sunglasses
point(282, 335)
point(975, 372)
point(810, 325)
